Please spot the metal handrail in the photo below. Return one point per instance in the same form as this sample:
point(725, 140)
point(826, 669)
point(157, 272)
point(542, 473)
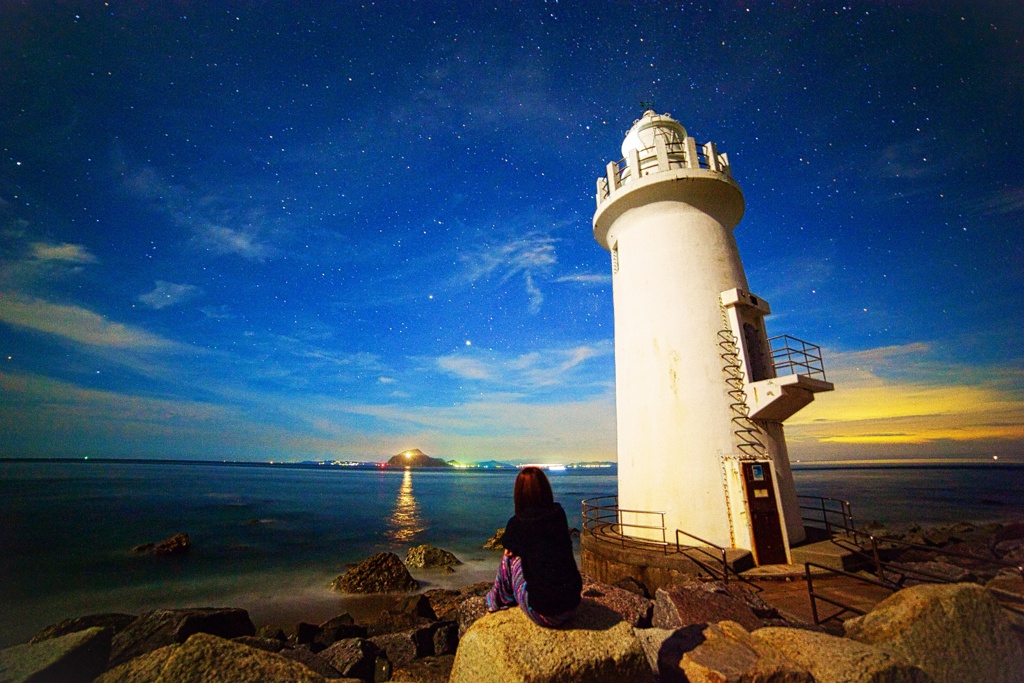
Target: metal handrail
point(706, 550)
point(827, 514)
point(597, 518)
point(843, 608)
point(792, 356)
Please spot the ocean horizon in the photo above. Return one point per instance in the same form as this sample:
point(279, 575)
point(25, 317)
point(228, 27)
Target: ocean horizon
point(270, 538)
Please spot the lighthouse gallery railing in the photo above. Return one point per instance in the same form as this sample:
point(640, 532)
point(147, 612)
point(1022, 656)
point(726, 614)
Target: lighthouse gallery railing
point(663, 156)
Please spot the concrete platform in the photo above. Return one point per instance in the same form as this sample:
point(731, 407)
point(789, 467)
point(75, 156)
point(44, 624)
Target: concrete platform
point(828, 554)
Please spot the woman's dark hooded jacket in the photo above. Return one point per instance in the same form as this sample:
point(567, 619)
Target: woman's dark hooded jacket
point(540, 536)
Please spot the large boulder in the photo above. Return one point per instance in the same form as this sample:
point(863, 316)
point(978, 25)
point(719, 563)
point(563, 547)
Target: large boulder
point(596, 646)
point(444, 602)
point(71, 658)
point(428, 557)
point(831, 659)
point(178, 544)
point(954, 632)
point(210, 659)
point(729, 654)
point(116, 622)
point(380, 573)
point(634, 609)
point(168, 626)
point(469, 611)
point(677, 606)
point(353, 657)
point(426, 670)
point(665, 649)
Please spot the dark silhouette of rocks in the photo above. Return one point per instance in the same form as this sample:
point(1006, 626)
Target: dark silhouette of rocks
point(178, 544)
point(160, 628)
point(71, 658)
point(116, 622)
point(380, 573)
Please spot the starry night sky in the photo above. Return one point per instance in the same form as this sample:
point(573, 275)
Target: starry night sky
point(291, 230)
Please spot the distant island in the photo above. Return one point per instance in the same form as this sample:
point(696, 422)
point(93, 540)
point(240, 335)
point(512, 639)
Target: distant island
point(416, 458)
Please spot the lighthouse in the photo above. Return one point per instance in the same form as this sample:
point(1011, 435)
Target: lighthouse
point(701, 390)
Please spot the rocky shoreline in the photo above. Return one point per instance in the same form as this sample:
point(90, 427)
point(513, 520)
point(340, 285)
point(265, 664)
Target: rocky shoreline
point(693, 631)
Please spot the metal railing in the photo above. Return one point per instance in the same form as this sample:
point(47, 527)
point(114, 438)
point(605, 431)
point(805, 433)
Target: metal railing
point(792, 356)
point(843, 607)
point(832, 515)
point(603, 518)
point(664, 155)
point(718, 556)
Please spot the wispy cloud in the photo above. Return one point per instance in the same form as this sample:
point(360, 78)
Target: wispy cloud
point(1005, 201)
point(218, 224)
point(73, 323)
point(586, 279)
point(242, 242)
point(166, 294)
point(531, 256)
point(525, 372)
point(64, 252)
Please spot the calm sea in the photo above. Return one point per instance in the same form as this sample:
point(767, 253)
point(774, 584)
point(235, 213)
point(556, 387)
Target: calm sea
point(270, 539)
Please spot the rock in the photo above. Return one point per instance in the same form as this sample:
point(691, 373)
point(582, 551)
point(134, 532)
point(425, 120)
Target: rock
point(915, 573)
point(70, 658)
point(175, 545)
point(445, 602)
point(340, 628)
point(428, 557)
point(266, 644)
point(393, 622)
point(634, 609)
point(1007, 532)
point(167, 626)
point(114, 621)
point(665, 648)
point(427, 670)
point(1011, 550)
point(306, 633)
point(405, 646)
point(469, 611)
point(204, 657)
point(494, 542)
point(445, 635)
point(954, 632)
point(311, 661)
point(1007, 585)
point(729, 654)
point(596, 646)
point(380, 573)
point(628, 583)
point(684, 605)
point(353, 657)
point(418, 605)
point(831, 659)
point(274, 632)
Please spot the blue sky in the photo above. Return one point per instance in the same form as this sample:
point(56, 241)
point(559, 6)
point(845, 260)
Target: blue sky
point(269, 230)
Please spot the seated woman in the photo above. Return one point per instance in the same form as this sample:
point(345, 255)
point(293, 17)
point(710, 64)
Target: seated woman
point(538, 571)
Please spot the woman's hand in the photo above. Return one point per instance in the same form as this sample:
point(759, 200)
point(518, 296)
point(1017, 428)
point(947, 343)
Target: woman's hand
point(508, 553)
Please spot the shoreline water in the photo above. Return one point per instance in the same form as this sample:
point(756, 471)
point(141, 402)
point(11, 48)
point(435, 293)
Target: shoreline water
point(270, 539)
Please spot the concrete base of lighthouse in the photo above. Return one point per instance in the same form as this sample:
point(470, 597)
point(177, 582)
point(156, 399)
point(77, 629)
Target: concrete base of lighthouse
point(605, 561)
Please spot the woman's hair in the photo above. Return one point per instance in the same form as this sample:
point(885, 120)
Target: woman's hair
point(532, 490)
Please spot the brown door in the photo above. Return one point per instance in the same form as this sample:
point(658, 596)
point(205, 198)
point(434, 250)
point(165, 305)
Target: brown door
point(769, 548)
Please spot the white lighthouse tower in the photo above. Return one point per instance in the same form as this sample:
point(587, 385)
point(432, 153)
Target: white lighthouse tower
point(701, 391)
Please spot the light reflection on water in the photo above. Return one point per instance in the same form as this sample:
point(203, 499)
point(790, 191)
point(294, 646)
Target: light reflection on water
point(405, 521)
